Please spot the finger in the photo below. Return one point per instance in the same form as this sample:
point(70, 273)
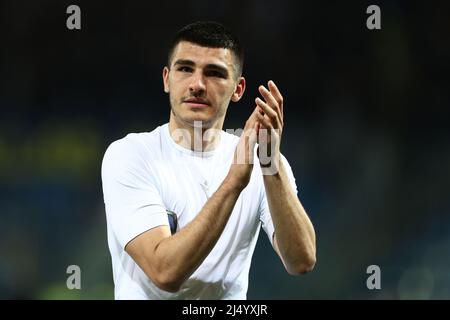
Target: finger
point(264, 122)
point(276, 94)
point(275, 91)
point(270, 99)
point(271, 113)
point(266, 108)
point(251, 119)
point(264, 115)
point(254, 135)
point(261, 112)
point(251, 137)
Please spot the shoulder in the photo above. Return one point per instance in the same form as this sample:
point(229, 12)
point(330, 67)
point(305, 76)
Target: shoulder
point(136, 143)
point(133, 149)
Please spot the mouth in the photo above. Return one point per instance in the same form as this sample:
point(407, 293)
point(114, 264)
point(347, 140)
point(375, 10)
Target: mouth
point(196, 103)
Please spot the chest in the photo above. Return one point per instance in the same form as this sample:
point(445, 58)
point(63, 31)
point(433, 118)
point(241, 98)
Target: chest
point(185, 189)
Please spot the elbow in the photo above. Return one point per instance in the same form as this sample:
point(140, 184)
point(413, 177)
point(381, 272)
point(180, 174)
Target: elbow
point(304, 266)
point(307, 267)
point(167, 282)
point(163, 277)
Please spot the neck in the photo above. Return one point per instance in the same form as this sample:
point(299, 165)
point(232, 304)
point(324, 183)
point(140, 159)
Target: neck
point(195, 136)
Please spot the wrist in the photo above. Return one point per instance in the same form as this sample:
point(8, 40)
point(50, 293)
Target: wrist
point(275, 173)
point(269, 161)
point(235, 183)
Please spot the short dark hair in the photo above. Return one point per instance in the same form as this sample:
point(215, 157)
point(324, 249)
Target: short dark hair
point(212, 35)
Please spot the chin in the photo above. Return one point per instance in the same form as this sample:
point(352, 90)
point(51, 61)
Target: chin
point(206, 120)
point(189, 117)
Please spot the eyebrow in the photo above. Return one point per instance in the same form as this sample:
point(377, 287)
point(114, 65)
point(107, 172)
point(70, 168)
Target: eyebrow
point(210, 66)
point(184, 62)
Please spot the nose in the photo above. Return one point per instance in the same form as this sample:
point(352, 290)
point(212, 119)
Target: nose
point(197, 85)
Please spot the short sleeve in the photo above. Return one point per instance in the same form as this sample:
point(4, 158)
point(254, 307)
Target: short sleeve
point(132, 201)
point(264, 211)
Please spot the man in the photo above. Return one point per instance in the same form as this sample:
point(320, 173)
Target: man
point(191, 173)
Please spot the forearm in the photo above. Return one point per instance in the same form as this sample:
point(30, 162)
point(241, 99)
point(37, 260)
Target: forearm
point(181, 254)
point(295, 236)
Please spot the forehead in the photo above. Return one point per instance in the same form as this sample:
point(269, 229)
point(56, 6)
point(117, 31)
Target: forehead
point(202, 55)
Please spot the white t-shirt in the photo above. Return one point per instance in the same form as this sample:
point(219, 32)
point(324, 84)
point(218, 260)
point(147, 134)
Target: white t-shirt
point(144, 174)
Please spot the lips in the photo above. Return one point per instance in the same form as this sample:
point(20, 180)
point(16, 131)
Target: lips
point(196, 103)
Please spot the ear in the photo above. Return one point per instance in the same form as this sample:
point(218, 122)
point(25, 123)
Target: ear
point(165, 75)
point(239, 91)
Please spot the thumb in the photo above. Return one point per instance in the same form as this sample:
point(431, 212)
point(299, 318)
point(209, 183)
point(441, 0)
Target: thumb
point(253, 138)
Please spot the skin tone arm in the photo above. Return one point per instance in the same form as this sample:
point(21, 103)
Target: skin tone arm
point(294, 237)
point(170, 260)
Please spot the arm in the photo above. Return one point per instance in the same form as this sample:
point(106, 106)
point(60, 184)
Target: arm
point(170, 260)
point(294, 238)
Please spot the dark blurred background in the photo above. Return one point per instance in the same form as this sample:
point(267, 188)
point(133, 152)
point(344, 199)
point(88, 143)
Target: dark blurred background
point(367, 136)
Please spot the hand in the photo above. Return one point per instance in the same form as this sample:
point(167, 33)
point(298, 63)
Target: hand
point(242, 165)
point(270, 118)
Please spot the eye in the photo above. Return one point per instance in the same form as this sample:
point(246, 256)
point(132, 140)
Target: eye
point(184, 69)
point(215, 73)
